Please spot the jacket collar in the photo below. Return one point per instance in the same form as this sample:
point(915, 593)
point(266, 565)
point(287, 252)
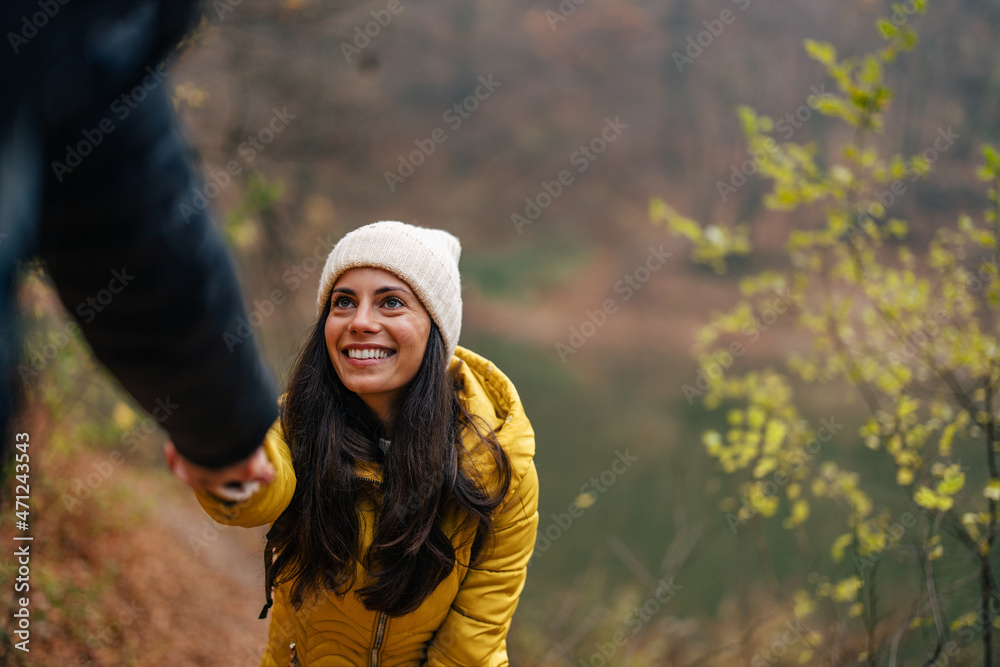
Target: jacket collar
point(490, 395)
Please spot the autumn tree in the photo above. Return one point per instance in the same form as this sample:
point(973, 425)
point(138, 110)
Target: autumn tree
point(913, 329)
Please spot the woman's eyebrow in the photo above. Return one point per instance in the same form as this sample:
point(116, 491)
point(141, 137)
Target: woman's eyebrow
point(380, 290)
point(389, 288)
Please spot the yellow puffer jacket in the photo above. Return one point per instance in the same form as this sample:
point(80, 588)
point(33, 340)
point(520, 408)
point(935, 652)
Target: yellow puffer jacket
point(465, 620)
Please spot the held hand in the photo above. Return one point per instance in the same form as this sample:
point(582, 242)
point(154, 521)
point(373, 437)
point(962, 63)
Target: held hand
point(235, 483)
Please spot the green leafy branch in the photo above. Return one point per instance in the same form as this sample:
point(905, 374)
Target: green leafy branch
point(912, 331)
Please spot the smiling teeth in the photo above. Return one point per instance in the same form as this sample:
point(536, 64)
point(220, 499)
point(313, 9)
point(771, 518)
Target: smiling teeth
point(368, 354)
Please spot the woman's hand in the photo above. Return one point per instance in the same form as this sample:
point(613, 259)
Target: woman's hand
point(234, 483)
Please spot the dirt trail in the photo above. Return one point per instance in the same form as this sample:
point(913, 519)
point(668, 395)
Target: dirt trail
point(236, 553)
point(137, 574)
point(207, 605)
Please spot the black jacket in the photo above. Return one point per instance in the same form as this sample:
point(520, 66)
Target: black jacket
point(92, 178)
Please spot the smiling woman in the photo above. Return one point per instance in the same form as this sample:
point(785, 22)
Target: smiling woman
point(403, 508)
point(376, 335)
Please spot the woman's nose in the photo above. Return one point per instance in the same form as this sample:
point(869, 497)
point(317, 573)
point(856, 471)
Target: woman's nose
point(364, 319)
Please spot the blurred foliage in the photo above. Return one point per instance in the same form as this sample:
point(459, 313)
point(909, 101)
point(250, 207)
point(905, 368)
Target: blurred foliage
point(523, 272)
point(914, 332)
point(711, 245)
point(354, 120)
point(59, 375)
point(80, 423)
point(243, 221)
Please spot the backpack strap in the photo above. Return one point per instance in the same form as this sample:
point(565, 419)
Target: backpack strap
point(268, 549)
point(268, 561)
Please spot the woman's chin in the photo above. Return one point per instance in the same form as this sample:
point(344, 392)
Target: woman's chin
point(363, 385)
point(369, 390)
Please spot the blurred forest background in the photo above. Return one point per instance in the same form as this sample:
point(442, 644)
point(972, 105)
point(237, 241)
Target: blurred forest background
point(557, 78)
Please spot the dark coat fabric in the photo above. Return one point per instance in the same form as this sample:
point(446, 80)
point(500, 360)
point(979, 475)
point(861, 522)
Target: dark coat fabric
point(97, 183)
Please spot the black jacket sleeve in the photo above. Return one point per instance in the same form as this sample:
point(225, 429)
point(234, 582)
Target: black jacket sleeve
point(149, 279)
point(134, 260)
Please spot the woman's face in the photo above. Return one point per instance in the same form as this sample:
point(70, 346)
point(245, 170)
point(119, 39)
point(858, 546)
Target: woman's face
point(376, 334)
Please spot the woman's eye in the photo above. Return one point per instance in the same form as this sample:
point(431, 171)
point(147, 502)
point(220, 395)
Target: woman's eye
point(342, 302)
point(393, 302)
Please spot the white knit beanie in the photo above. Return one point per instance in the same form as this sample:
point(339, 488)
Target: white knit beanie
point(427, 259)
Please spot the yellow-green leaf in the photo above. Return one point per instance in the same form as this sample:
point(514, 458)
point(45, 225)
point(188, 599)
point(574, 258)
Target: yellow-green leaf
point(800, 512)
point(824, 52)
point(926, 498)
point(951, 484)
point(839, 545)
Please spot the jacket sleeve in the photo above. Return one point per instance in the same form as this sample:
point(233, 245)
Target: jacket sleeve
point(155, 292)
point(475, 630)
point(268, 503)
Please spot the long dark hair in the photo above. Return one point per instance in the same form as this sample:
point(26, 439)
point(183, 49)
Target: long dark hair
point(426, 471)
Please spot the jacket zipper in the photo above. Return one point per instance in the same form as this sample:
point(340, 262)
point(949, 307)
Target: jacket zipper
point(379, 636)
point(382, 619)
